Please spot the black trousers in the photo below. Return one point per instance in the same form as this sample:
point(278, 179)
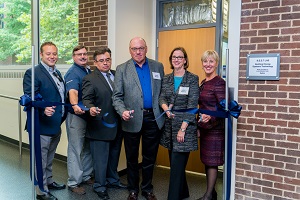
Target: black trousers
point(150, 135)
point(178, 187)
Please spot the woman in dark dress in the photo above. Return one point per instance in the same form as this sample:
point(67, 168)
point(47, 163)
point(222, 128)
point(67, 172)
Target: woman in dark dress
point(179, 91)
point(211, 129)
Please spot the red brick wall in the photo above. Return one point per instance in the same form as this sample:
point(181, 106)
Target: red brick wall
point(268, 150)
point(93, 25)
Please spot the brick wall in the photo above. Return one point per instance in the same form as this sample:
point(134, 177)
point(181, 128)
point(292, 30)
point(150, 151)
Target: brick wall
point(268, 150)
point(93, 25)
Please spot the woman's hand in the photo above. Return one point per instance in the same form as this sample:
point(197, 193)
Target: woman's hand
point(180, 136)
point(204, 118)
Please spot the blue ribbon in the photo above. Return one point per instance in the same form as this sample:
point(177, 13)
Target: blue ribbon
point(112, 125)
point(27, 102)
point(234, 110)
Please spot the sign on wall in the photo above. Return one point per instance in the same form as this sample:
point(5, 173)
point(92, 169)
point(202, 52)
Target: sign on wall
point(263, 66)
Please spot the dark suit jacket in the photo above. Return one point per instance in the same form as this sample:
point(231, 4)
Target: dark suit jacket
point(128, 94)
point(97, 93)
point(46, 86)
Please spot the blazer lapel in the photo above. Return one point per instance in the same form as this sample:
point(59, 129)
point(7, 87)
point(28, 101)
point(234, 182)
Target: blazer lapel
point(102, 78)
point(49, 76)
point(132, 71)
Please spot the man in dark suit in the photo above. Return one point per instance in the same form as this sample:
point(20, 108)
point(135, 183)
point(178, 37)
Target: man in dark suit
point(105, 141)
point(135, 98)
point(49, 83)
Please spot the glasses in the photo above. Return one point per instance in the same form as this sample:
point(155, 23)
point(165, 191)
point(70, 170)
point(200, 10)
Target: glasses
point(104, 60)
point(134, 49)
point(177, 57)
point(80, 54)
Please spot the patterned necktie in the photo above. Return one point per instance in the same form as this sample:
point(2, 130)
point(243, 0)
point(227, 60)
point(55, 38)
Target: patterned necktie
point(109, 80)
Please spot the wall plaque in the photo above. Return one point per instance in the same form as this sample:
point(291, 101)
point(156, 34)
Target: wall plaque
point(263, 66)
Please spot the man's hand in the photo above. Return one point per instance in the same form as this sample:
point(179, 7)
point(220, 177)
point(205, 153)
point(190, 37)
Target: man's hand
point(77, 110)
point(127, 115)
point(49, 111)
point(94, 111)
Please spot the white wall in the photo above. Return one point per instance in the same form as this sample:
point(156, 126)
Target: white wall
point(126, 20)
point(233, 81)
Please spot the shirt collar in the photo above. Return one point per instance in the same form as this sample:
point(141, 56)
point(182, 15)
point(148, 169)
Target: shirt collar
point(145, 63)
point(49, 69)
point(85, 68)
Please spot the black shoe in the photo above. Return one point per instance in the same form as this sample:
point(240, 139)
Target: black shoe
point(132, 196)
point(149, 195)
point(56, 186)
point(117, 186)
point(103, 195)
point(47, 196)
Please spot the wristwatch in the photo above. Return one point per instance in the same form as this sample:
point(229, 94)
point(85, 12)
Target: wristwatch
point(182, 129)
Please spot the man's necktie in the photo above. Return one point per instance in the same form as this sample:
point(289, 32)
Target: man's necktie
point(109, 80)
point(57, 76)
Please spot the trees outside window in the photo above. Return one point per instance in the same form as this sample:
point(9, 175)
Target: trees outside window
point(58, 23)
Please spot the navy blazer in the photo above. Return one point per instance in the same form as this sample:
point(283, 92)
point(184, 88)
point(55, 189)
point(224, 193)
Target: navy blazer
point(46, 86)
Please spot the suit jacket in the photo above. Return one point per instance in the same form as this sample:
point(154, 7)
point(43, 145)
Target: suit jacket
point(96, 92)
point(128, 94)
point(46, 86)
point(180, 101)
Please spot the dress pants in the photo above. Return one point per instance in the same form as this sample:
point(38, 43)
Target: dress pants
point(100, 154)
point(112, 176)
point(150, 134)
point(79, 160)
point(48, 148)
point(178, 188)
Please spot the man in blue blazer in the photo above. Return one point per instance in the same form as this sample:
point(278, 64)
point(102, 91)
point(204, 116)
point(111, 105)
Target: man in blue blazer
point(49, 84)
point(135, 98)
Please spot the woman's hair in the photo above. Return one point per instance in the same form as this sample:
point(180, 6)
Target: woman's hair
point(186, 64)
point(210, 53)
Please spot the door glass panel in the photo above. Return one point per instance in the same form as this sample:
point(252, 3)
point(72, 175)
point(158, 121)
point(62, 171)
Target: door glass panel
point(189, 12)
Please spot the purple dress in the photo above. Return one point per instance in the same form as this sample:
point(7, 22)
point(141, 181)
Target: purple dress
point(212, 133)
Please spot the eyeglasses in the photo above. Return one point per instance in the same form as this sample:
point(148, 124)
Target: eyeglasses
point(103, 60)
point(80, 54)
point(177, 57)
point(134, 49)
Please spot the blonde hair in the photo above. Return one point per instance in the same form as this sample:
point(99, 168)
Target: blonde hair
point(210, 53)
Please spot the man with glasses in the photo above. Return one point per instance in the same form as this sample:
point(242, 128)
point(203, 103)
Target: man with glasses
point(135, 98)
point(102, 127)
point(48, 83)
point(79, 160)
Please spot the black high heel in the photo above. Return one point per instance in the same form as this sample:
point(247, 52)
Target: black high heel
point(214, 195)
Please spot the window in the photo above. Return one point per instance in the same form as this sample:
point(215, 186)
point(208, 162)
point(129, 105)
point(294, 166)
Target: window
point(58, 23)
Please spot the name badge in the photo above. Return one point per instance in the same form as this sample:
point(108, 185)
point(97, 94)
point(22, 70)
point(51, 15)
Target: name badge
point(156, 75)
point(184, 90)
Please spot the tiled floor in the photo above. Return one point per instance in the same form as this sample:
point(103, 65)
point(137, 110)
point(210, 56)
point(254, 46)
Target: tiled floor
point(16, 185)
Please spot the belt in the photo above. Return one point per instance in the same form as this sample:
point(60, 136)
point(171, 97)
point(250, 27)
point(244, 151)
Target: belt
point(148, 110)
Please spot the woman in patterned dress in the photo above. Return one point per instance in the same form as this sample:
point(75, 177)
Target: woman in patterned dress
point(211, 129)
point(180, 90)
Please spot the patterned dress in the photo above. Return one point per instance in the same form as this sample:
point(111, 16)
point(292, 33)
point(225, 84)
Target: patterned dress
point(212, 133)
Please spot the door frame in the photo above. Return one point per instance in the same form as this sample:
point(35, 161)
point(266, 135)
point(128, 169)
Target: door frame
point(218, 26)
